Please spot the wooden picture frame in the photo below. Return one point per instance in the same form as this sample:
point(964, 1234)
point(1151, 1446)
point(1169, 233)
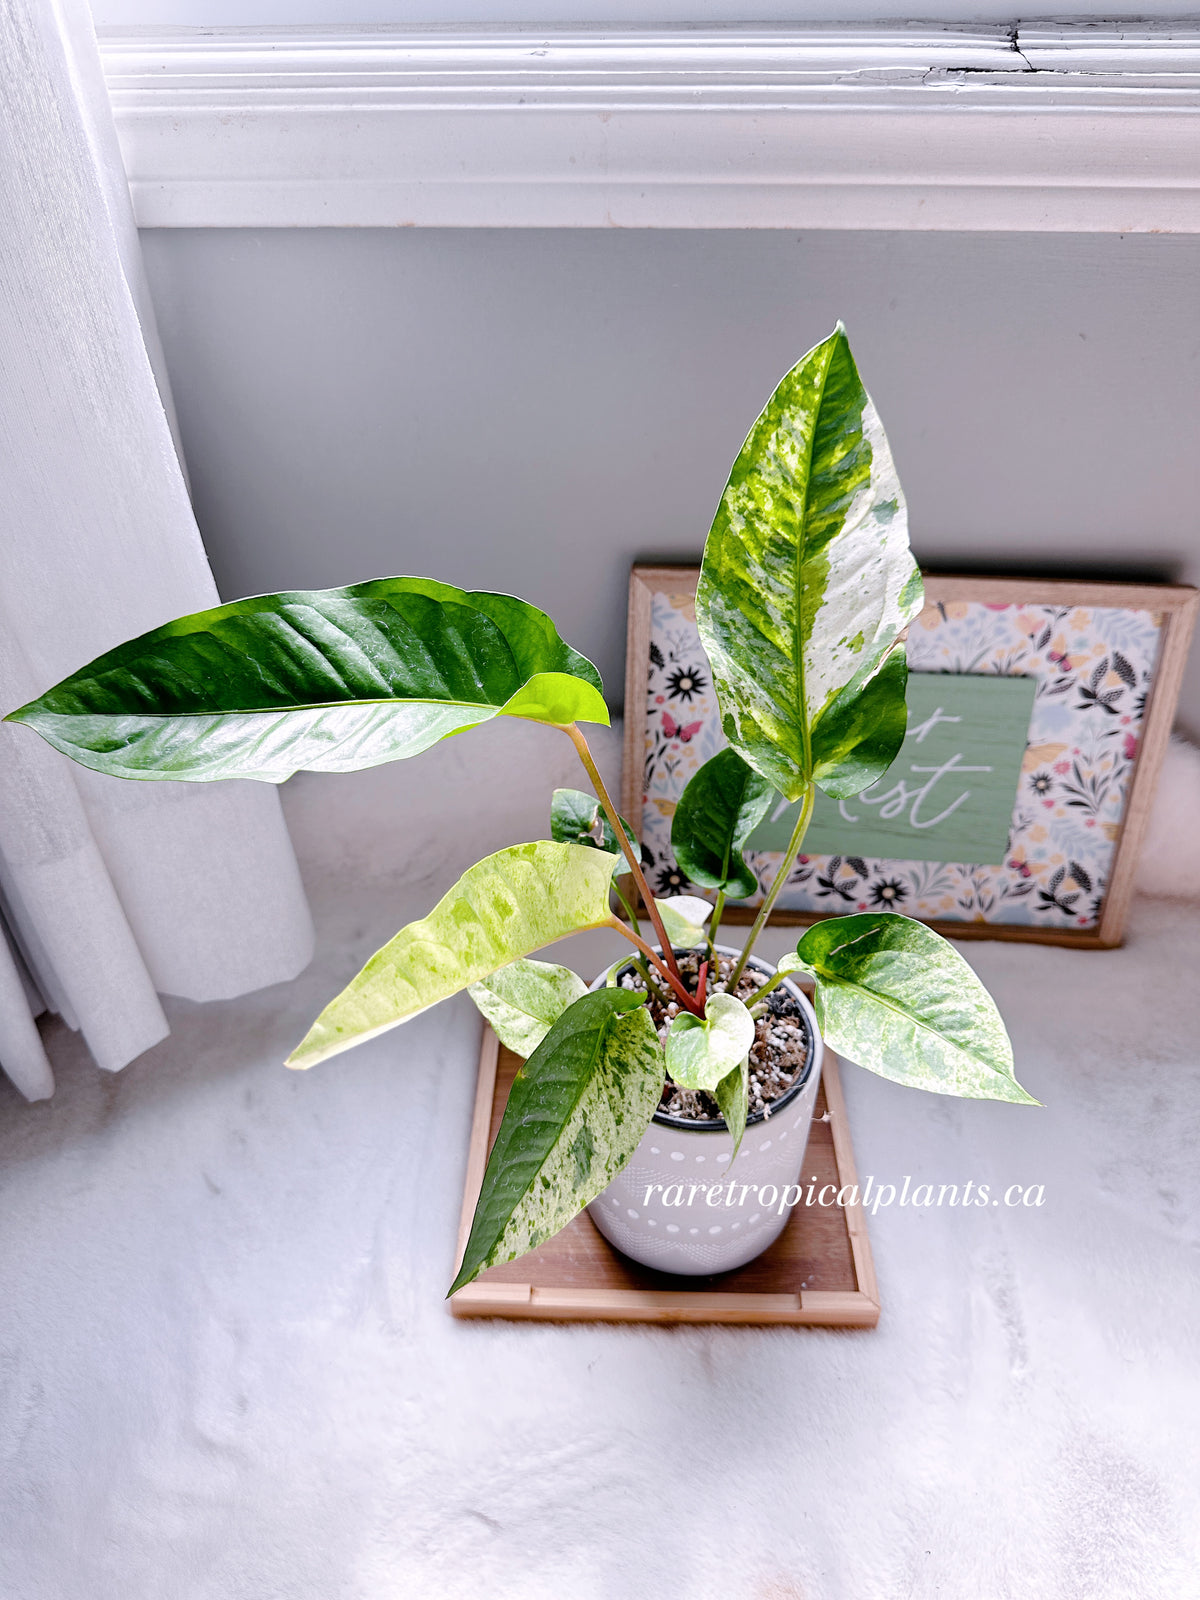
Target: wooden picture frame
point(1172, 611)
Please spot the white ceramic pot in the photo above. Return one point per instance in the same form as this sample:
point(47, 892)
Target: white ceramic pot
point(671, 1208)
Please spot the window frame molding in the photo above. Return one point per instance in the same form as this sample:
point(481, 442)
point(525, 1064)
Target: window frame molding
point(1084, 127)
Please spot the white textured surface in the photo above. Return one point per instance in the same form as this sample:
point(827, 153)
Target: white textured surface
point(226, 1372)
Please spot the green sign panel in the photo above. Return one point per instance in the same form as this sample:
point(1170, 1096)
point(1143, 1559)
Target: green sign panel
point(949, 794)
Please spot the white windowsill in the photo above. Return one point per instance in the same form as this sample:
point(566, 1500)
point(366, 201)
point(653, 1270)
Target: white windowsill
point(1063, 127)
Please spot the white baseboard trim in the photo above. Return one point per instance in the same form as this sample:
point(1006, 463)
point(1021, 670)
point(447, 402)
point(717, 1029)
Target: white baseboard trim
point(1062, 128)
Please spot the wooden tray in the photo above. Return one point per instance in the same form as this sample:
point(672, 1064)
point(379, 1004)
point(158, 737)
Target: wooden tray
point(818, 1273)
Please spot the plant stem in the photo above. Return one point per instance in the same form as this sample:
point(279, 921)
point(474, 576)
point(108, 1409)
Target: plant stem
point(768, 986)
point(675, 980)
point(629, 911)
point(668, 961)
point(781, 877)
point(641, 967)
point(714, 922)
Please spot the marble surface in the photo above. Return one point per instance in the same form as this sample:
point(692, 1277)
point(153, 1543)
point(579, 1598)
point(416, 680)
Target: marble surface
point(227, 1371)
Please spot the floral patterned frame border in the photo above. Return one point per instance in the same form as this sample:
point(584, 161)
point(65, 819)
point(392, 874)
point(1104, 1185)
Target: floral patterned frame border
point(1111, 652)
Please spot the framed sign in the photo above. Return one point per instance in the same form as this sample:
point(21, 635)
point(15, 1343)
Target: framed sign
point(1039, 712)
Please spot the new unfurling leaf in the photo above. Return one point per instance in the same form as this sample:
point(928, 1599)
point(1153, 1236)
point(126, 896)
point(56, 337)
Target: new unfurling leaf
point(578, 818)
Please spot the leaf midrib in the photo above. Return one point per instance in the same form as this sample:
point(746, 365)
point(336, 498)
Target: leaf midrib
point(801, 545)
point(281, 711)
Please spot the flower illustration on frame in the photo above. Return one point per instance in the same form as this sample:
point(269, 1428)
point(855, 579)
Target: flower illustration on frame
point(888, 893)
point(685, 683)
point(671, 880)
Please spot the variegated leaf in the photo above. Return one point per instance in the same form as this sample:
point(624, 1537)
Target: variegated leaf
point(503, 907)
point(576, 1113)
point(523, 1001)
point(894, 996)
point(808, 581)
point(683, 918)
point(700, 1054)
point(732, 1094)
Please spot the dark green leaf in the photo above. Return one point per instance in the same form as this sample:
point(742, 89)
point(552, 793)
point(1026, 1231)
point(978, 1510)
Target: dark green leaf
point(719, 809)
point(578, 818)
point(897, 998)
point(860, 735)
point(326, 680)
point(577, 1111)
point(807, 581)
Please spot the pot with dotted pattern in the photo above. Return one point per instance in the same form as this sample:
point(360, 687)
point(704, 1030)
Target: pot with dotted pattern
point(681, 1206)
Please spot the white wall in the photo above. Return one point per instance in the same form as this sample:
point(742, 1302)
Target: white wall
point(250, 13)
point(534, 410)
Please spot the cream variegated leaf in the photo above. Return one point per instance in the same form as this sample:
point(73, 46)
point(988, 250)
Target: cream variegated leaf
point(894, 996)
point(807, 583)
point(683, 917)
point(700, 1053)
point(525, 999)
point(504, 907)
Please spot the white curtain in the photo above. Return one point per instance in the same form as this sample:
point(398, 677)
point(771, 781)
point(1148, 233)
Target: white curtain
point(110, 892)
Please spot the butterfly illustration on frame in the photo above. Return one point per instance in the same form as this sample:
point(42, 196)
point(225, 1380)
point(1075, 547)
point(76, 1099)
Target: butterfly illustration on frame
point(675, 730)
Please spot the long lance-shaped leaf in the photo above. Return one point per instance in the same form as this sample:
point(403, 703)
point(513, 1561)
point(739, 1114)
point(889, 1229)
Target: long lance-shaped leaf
point(807, 582)
point(502, 908)
point(577, 1109)
point(897, 998)
point(326, 680)
point(719, 809)
point(525, 999)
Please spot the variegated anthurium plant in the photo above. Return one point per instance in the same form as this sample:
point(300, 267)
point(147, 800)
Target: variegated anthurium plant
point(806, 589)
